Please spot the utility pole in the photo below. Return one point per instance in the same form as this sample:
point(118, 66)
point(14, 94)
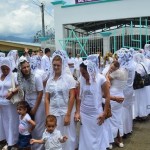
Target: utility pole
point(43, 24)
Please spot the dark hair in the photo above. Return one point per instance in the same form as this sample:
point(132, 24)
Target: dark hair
point(47, 50)
point(82, 65)
point(51, 118)
point(116, 63)
point(40, 51)
point(24, 105)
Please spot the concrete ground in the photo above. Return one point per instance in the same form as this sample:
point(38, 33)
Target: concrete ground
point(138, 140)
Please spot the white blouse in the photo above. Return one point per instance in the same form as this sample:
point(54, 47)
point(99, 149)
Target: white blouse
point(59, 94)
point(32, 97)
point(4, 86)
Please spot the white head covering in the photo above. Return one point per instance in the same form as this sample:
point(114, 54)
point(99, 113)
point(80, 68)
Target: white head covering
point(147, 51)
point(139, 58)
point(92, 70)
point(125, 57)
point(35, 62)
point(64, 74)
point(6, 62)
point(2, 54)
point(63, 55)
point(147, 47)
point(28, 88)
point(94, 58)
point(14, 59)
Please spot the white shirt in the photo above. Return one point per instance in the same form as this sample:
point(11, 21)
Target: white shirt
point(59, 94)
point(32, 97)
point(4, 86)
point(24, 125)
point(71, 61)
point(46, 64)
point(52, 140)
point(78, 61)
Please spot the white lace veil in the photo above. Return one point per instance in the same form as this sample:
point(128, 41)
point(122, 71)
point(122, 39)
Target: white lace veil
point(92, 70)
point(6, 62)
point(28, 88)
point(139, 58)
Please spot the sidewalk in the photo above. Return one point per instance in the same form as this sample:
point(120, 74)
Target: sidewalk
point(139, 139)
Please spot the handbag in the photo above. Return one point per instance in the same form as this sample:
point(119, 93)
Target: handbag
point(109, 114)
point(146, 78)
point(138, 82)
point(17, 97)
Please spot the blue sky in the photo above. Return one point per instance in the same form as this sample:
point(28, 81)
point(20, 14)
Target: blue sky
point(22, 18)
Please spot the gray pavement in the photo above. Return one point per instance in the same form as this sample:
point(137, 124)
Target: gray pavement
point(138, 140)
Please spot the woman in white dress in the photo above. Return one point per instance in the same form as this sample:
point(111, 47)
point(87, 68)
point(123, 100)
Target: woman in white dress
point(32, 85)
point(126, 61)
point(95, 58)
point(118, 78)
point(141, 95)
point(92, 87)
point(147, 63)
point(9, 116)
point(59, 98)
point(2, 137)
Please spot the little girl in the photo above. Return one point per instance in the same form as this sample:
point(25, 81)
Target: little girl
point(26, 125)
point(52, 138)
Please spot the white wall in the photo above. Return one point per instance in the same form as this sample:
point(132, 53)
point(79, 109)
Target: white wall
point(97, 12)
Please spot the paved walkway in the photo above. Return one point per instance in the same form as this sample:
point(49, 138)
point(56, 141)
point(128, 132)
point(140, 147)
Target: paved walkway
point(139, 139)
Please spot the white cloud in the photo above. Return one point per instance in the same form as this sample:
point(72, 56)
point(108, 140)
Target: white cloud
point(23, 18)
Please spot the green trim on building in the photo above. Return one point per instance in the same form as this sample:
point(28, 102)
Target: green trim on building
point(58, 2)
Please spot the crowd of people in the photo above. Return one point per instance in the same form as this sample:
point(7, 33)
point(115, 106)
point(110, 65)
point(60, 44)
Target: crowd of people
point(70, 103)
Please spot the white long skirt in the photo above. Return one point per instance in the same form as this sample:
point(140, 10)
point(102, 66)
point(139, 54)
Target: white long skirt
point(127, 119)
point(127, 111)
point(141, 96)
point(91, 134)
point(2, 135)
point(116, 121)
point(69, 131)
point(134, 109)
point(148, 99)
point(40, 126)
point(10, 122)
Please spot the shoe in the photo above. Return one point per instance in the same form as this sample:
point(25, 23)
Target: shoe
point(121, 145)
point(5, 147)
point(110, 146)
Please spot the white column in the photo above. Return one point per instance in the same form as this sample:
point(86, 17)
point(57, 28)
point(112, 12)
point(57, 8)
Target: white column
point(59, 28)
point(106, 44)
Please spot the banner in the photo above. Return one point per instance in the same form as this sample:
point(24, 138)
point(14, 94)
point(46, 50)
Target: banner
point(84, 1)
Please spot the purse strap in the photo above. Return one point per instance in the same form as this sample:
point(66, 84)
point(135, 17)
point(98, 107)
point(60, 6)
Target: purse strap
point(144, 69)
point(13, 81)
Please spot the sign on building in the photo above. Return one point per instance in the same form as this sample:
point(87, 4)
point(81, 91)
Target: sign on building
point(84, 1)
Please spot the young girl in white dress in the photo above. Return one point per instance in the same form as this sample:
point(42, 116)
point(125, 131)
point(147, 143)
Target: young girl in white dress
point(26, 125)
